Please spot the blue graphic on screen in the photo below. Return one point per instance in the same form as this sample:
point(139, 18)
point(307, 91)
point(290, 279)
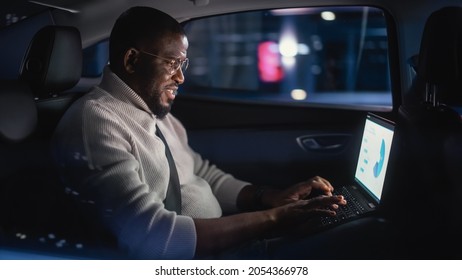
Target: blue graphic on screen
point(379, 164)
point(373, 156)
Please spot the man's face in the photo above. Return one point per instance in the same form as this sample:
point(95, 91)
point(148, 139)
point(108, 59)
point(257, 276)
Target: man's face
point(158, 75)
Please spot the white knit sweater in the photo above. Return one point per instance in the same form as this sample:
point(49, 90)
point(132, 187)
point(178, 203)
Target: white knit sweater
point(108, 153)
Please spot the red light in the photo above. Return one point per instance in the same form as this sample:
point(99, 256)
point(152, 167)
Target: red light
point(269, 62)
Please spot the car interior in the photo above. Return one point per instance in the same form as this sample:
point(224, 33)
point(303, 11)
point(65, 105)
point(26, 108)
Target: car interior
point(276, 92)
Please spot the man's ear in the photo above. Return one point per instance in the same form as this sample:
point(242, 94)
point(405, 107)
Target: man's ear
point(130, 60)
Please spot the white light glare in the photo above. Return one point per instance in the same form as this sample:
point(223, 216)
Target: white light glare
point(298, 94)
point(328, 16)
point(288, 61)
point(303, 49)
point(288, 46)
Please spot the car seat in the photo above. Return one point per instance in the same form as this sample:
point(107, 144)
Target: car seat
point(31, 197)
point(428, 130)
point(18, 120)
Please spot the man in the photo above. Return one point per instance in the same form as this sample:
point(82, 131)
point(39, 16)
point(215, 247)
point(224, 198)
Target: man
point(111, 155)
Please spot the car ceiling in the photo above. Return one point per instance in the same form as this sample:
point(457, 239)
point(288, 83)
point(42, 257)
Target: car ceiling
point(95, 18)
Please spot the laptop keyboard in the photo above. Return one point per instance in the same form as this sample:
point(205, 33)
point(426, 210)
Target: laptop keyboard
point(353, 207)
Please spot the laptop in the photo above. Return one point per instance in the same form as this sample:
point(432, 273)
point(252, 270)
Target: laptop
point(365, 193)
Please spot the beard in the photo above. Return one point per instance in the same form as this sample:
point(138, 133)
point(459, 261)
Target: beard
point(155, 105)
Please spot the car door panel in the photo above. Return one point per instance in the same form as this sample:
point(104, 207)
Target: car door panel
point(268, 144)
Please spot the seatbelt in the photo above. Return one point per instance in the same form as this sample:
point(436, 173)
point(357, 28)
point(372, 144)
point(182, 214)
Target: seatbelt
point(172, 201)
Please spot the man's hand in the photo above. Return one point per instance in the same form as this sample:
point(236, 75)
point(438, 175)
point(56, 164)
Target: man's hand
point(302, 216)
point(314, 207)
point(313, 187)
point(287, 212)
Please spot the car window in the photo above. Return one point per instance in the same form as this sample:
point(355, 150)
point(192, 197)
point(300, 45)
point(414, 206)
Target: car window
point(18, 10)
point(15, 39)
point(309, 56)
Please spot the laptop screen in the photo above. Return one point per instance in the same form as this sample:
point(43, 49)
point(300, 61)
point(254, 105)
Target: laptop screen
point(374, 154)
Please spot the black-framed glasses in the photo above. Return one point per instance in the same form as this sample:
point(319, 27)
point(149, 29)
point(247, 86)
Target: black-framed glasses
point(173, 63)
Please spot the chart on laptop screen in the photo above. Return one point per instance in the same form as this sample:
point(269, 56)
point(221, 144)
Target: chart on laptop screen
point(373, 156)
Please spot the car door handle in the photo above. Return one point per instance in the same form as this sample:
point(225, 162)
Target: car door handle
point(323, 142)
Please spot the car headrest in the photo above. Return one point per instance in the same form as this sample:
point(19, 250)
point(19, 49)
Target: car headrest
point(53, 61)
point(18, 113)
point(440, 57)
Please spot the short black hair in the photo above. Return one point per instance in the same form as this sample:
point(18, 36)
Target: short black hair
point(138, 25)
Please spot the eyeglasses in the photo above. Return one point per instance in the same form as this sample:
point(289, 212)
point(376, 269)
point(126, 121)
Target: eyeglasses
point(174, 64)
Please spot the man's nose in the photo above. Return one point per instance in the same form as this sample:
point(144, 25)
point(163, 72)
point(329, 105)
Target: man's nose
point(178, 76)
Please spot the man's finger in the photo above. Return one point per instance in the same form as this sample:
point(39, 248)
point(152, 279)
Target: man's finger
point(322, 185)
point(326, 201)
